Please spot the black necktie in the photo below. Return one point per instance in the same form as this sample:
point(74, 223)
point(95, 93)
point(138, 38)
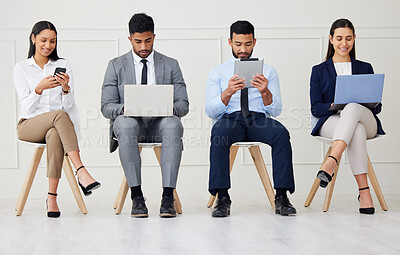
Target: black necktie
point(244, 102)
point(144, 71)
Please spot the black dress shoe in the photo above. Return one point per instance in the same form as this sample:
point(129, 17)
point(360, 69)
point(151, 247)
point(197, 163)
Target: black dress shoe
point(167, 209)
point(52, 214)
point(139, 209)
point(222, 208)
point(283, 206)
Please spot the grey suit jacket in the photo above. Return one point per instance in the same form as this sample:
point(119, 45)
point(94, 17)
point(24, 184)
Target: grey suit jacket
point(121, 71)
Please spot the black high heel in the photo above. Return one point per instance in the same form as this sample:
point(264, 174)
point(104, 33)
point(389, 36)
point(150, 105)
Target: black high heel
point(88, 189)
point(368, 210)
point(52, 214)
point(324, 176)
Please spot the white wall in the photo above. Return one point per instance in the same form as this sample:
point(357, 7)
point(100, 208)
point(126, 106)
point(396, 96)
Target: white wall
point(292, 36)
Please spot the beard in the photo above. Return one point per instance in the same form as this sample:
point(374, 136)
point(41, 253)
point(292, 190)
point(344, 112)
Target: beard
point(147, 51)
point(236, 56)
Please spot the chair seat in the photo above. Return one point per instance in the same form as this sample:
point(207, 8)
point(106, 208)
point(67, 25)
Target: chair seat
point(43, 145)
point(149, 145)
point(246, 144)
point(329, 140)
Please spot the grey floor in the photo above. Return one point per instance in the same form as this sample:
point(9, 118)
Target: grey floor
point(252, 228)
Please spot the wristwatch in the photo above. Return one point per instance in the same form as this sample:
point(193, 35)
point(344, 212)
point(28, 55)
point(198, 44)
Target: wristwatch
point(66, 91)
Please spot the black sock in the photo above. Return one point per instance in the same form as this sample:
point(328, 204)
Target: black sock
point(168, 192)
point(223, 193)
point(136, 192)
point(281, 192)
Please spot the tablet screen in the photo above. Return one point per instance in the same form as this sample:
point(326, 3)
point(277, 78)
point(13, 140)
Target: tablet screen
point(247, 68)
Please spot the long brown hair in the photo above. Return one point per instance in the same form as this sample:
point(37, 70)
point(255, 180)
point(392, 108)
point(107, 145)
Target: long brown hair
point(338, 24)
point(37, 28)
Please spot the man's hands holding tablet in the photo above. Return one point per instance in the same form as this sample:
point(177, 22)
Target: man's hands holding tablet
point(235, 84)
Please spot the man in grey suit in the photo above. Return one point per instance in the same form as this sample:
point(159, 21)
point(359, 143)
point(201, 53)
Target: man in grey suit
point(143, 65)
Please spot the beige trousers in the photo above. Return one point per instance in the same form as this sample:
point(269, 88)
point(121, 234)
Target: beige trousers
point(353, 125)
point(57, 131)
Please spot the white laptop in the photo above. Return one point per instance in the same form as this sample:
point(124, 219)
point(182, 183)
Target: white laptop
point(365, 89)
point(148, 100)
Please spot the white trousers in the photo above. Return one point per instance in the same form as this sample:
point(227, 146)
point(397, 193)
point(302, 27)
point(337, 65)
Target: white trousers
point(353, 125)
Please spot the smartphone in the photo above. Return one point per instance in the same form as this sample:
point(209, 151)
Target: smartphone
point(60, 70)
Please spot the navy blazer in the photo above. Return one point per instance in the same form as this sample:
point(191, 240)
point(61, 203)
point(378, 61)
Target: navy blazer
point(322, 91)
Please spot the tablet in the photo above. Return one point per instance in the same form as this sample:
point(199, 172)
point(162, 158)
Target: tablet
point(247, 68)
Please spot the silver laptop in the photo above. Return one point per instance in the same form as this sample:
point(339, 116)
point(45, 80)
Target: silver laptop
point(365, 89)
point(148, 100)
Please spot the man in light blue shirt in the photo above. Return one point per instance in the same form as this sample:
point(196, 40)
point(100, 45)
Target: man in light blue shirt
point(244, 114)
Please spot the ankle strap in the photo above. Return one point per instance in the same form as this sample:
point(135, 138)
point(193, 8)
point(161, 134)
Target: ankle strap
point(79, 168)
point(337, 162)
point(53, 194)
point(364, 188)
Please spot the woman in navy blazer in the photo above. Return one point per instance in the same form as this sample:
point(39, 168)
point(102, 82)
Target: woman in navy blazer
point(351, 127)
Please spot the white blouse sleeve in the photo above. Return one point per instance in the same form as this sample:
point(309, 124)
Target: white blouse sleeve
point(28, 98)
point(68, 100)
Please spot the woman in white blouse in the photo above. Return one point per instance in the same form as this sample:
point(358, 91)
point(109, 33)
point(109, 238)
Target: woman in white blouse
point(45, 101)
point(351, 127)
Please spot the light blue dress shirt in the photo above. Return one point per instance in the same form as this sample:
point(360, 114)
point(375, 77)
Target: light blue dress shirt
point(217, 82)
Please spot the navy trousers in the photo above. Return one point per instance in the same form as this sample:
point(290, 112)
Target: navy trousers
point(256, 127)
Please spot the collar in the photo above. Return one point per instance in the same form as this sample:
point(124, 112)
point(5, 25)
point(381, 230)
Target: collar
point(332, 70)
point(330, 60)
point(233, 59)
point(137, 59)
point(31, 61)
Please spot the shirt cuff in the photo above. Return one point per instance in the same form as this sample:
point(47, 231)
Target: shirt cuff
point(220, 107)
point(36, 96)
point(271, 107)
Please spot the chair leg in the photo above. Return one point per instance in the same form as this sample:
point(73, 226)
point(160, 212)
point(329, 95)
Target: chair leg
point(118, 198)
point(329, 189)
point(262, 172)
point(123, 191)
point(177, 202)
point(376, 186)
point(157, 151)
point(232, 156)
point(30, 175)
point(315, 185)
point(211, 201)
point(74, 186)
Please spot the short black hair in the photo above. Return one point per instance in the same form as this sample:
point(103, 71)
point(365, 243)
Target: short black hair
point(242, 27)
point(141, 22)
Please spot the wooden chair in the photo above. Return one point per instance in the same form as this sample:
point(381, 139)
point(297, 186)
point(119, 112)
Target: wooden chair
point(30, 176)
point(123, 190)
point(254, 149)
point(331, 185)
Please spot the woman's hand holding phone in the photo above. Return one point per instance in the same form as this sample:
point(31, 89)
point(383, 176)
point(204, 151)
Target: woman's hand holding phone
point(63, 79)
point(48, 82)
